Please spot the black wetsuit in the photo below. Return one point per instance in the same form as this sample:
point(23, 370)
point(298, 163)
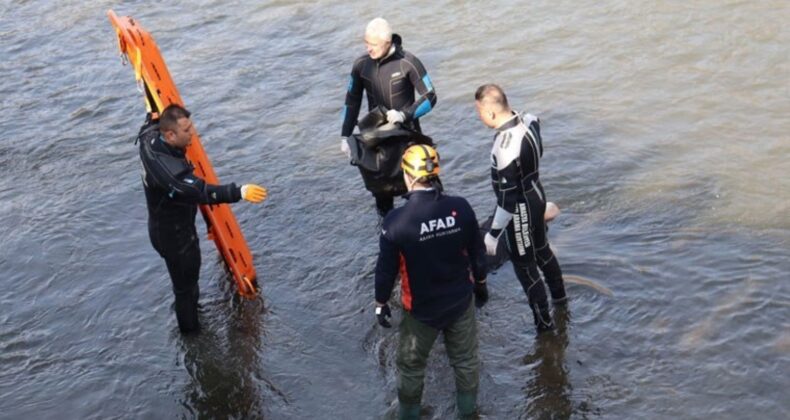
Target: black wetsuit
point(435, 245)
point(514, 172)
point(390, 82)
point(172, 193)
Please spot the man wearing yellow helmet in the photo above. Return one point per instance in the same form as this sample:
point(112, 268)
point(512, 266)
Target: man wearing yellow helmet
point(434, 243)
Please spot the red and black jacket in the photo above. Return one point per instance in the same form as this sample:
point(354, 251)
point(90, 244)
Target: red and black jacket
point(434, 243)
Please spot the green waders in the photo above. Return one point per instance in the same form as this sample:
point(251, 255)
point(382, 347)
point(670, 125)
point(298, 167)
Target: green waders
point(415, 342)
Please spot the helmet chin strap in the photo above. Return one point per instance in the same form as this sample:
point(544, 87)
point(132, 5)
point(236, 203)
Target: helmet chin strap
point(421, 186)
point(413, 181)
point(411, 184)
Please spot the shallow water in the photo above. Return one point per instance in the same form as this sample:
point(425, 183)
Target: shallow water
point(665, 128)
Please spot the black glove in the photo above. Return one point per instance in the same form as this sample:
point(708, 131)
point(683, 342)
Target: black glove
point(481, 294)
point(382, 313)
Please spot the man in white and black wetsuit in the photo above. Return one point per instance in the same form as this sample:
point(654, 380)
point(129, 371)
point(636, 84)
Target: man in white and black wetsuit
point(389, 76)
point(521, 201)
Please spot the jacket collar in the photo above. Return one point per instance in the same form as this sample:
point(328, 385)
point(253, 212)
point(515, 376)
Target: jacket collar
point(512, 122)
point(175, 151)
point(420, 194)
point(396, 50)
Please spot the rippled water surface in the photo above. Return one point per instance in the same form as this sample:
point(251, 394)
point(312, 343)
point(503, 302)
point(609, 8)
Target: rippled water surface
point(667, 147)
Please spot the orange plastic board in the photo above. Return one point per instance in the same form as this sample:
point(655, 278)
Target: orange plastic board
point(151, 73)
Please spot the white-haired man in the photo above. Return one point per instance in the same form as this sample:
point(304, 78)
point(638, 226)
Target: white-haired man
point(390, 76)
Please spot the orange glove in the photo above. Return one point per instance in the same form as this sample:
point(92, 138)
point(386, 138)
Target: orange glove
point(253, 193)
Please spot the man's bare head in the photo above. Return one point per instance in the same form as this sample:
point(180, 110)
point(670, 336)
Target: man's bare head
point(492, 106)
point(378, 38)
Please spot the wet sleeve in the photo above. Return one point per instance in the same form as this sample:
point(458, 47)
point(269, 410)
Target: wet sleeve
point(475, 247)
point(353, 100)
point(533, 126)
point(386, 268)
point(421, 81)
point(495, 180)
point(507, 193)
point(499, 221)
point(193, 189)
point(506, 174)
point(175, 176)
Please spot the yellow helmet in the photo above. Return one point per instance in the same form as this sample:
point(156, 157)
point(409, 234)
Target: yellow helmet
point(420, 161)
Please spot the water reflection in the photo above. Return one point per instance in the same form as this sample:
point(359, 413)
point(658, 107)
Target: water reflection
point(223, 364)
point(548, 390)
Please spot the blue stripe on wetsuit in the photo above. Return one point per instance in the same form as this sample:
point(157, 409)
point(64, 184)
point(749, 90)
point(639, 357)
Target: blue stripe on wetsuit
point(350, 86)
point(426, 80)
point(425, 107)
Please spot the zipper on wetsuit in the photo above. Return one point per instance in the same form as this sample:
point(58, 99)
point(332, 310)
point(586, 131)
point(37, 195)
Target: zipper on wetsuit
point(381, 87)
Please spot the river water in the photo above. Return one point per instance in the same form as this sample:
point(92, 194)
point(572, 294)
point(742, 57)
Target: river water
point(667, 146)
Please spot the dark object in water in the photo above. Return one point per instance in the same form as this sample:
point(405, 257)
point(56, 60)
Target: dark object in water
point(496, 261)
point(377, 152)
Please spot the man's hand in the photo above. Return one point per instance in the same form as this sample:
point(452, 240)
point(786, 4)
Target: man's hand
point(481, 293)
point(552, 211)
point(395, 116)
point(491, 242)
point(253, 193)
point(382, 313)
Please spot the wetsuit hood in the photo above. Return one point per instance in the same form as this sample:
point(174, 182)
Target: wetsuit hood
point(396, 50)
point(397, 41)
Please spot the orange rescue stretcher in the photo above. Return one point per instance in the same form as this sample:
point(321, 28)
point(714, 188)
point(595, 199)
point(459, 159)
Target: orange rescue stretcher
point(137, 47)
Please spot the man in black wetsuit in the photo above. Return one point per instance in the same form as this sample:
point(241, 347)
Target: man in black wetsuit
point(434, 243)
point(172, 193)
point(389, 75)
point(521, 201)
